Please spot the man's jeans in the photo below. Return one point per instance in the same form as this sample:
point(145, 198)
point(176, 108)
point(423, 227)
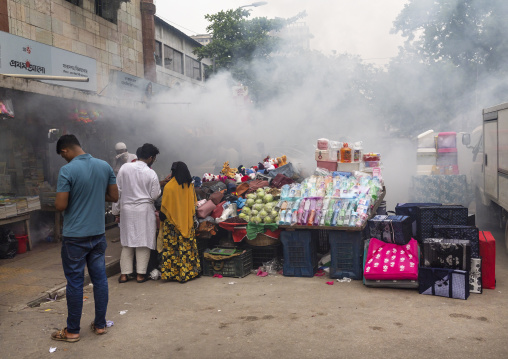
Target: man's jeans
point(76, 252)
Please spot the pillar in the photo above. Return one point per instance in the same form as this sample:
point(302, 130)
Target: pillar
point(148, 32)
point(4, 16)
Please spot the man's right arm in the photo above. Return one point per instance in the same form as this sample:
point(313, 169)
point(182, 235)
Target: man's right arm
point(112, 193)
point(112, 189)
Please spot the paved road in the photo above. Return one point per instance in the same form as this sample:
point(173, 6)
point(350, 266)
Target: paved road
point(272, 317)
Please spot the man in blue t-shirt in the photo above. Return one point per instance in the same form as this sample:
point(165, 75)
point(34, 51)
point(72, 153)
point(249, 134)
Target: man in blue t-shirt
point(84, 184)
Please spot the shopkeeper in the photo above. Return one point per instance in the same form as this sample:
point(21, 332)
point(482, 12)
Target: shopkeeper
point(122, 156)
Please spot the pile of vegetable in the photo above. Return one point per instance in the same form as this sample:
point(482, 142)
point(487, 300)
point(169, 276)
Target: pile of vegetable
point(260, 207)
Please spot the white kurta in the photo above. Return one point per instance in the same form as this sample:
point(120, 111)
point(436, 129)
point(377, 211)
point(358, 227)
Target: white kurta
point(138, 187)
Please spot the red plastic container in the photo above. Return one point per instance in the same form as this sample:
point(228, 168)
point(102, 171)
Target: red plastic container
point(22, 240)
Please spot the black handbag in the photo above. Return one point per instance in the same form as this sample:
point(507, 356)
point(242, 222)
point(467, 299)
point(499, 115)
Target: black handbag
point(391, 229)
point(447, 253)
point(450, 283)
point(439, 215)
point(411, 210)
point(470, 233)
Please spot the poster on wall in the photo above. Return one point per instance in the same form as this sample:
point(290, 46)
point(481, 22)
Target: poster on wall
point(23, 56)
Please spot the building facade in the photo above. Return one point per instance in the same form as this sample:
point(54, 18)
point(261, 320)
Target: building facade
point(110, 34)
point(175, 62)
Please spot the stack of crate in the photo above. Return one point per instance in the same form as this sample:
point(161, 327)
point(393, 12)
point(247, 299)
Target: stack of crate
point(447, 159)
point(437, 155)
point(426, 154)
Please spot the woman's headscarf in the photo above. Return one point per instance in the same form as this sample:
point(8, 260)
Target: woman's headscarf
point(179, 199)
point(180, 171)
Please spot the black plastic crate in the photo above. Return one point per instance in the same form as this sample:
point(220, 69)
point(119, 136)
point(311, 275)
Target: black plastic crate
point(347, 253)
point(203, 244)
point(300, 254)
point(320, 236)
point(263, 254)
point(237, 266)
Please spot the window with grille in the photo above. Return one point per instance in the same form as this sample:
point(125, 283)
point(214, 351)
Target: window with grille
point(173, 60)
point(107, 9)
point(192, 68)
point(158, 53)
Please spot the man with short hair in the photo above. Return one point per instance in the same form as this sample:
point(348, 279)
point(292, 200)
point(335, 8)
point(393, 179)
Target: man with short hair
point(122, 156)
point(84, 185)
point(139, 187)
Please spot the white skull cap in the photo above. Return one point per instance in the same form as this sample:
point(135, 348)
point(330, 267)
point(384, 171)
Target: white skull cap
point(120, 146)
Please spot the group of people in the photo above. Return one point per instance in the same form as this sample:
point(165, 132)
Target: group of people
point(84, 185)
point(139, 188)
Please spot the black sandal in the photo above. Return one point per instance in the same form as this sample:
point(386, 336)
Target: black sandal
point(123, 281)
point(147, 277)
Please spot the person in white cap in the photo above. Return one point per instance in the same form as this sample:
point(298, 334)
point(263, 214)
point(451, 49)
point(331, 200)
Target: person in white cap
point(122, 156)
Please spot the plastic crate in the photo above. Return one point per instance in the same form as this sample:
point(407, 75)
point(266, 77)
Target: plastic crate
point(300, 254)
point(346, 249)
point(238, 266)
point(263, 254)
point(203, 244)
point(320, 236)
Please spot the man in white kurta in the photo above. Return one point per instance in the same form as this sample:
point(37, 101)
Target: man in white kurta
point(139, 187)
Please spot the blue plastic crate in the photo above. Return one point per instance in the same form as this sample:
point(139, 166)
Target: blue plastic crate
point(346, 249)
point(300, 254)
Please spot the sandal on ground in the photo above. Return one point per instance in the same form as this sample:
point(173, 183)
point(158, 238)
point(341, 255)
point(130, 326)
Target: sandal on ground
point(147, 277)
point(62, 336)
point(123, 281)
point(94, 329)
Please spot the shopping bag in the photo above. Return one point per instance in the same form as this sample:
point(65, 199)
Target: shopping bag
point(447, 253)
point(439, 215)
point(391, 229)
point(470, 233)
point(443, 282)
point(388, 261)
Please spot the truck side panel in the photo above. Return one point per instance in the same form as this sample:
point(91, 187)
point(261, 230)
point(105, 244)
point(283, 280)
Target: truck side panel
point(503, 157)
point(490, 158)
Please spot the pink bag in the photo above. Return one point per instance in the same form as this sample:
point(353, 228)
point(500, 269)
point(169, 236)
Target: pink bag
point(389, 261)
point(204, 210)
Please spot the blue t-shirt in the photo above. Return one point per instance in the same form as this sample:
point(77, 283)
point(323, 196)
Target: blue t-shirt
point(86, 179)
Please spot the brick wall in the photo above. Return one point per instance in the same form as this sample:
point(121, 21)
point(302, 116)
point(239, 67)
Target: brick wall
point(61, 24)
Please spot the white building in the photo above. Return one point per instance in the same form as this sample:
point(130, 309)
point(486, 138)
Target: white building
point(175, 62)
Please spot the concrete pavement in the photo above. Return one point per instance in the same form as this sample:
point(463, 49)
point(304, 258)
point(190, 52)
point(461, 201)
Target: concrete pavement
point(275, 316)
point(32, 277)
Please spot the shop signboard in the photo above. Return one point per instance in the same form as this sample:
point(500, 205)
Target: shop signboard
point(128, 87)
point(23, 56)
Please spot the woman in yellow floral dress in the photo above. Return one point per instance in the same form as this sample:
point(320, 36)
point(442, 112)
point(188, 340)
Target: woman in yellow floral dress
point(177, 241)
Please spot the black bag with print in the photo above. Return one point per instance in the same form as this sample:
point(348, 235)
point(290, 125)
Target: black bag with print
point(469, 233)
point(443, 282)
point(446, 253)
point(439, 215)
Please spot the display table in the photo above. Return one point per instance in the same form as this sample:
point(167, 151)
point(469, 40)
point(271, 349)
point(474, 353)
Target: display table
point(20, 218)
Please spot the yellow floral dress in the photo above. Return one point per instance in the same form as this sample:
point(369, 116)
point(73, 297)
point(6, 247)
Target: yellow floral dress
point(180, 258)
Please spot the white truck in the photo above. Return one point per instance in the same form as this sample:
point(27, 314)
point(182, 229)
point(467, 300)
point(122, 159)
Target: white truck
point(489, 173)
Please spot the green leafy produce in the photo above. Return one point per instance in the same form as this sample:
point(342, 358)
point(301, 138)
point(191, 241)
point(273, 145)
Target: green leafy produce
point(263, 213)
point(250, 202)
point(268, 198)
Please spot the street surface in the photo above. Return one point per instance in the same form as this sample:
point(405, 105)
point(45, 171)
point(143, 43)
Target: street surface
point(271, 317)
